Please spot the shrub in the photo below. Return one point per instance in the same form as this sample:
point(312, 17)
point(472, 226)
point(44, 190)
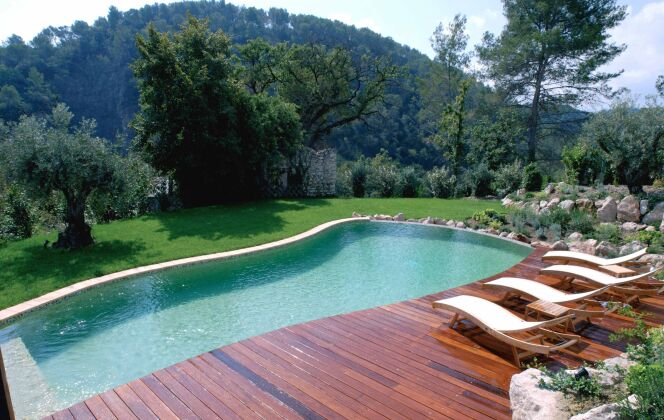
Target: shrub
point(647, 383)
point(580, 221)
point(654, 240)
point(520, 218)
point(532, 177)
point(440, 183)
point(344, 186)
point(358, 178)
point(489, 217)
point(555, 216)
point(129, 194)
point(410, 182)
point(584, 387)
point(607, 232)
point(479, 179)
point(507, 178)
point(17, 217)
point(583, 164)
point(384, 177)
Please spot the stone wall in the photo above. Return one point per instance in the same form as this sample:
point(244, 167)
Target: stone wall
point(321, 176)
point(310, 173)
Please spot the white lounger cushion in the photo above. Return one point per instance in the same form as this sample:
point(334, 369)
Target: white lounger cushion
point(487, 313)
point(593, 276)
point(539, 291)
point(592, 259)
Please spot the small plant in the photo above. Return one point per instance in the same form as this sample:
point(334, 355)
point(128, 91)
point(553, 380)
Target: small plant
point(580, 221)
point(647, 383)
point(582, 386)
point(485, 217)
point(607, 232)
point(641, 344)
point(556, 231)
point(654, 240)
point(556, 216)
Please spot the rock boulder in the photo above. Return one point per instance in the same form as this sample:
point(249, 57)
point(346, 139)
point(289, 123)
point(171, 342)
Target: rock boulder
point(608, 211)
point(584, 204)
point(655, 215)
point(530, 402)
point(629, 209)
point(567, 205)
point(560, 246)
point(606, 249)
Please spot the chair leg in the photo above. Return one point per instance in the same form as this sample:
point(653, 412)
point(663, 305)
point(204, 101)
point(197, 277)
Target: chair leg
point(517, 359)
point(454, 320)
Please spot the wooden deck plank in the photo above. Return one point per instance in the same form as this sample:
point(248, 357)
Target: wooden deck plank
point(394, 361)
point(99, 409)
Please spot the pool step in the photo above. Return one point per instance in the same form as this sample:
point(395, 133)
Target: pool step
point(26, 382)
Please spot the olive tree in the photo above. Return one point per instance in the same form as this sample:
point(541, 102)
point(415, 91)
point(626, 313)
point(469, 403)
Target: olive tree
point(47, 155)
point(631, 140)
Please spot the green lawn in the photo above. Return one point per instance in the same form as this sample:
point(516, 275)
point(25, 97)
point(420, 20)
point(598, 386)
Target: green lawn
point(29, 270)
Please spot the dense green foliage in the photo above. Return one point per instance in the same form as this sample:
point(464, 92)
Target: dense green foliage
point(629, 139)
point(199, 125)
point(87, 67)
point(329, 87)
point(549, 54)
point(47, 156)
point(29, 270)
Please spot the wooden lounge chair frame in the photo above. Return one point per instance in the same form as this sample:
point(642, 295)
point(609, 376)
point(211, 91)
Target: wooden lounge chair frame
point(628, 289)
point(521, 348)
point(592, 261)
point(581, 312)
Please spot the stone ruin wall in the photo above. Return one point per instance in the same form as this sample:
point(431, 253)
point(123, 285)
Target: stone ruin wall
point(321, 180)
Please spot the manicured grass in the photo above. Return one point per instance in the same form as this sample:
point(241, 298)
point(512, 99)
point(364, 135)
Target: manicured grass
point(30, 270)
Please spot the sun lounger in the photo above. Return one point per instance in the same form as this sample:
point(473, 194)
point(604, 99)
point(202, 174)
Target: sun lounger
point(533, 290)
point(629, 288)
point(501, 323)
point(566, 257)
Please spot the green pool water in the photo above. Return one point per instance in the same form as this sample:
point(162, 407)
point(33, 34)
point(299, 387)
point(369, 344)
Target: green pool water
point(115, 333)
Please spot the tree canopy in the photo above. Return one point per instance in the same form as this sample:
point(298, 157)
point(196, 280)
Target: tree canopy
point(329, 87)
point(549, 54)
point(47, 155)
point(198, 123)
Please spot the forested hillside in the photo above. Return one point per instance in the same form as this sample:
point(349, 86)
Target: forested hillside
point(87, 67)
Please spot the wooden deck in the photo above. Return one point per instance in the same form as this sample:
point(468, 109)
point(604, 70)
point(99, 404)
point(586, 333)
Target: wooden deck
point(394, 361)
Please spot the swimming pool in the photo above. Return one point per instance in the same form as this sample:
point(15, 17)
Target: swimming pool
point(112, 334)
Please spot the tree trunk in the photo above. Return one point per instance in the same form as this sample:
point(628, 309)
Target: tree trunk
point(77, 233)
point(533, 119)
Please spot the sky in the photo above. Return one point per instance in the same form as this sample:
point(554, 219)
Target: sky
point(407, 22)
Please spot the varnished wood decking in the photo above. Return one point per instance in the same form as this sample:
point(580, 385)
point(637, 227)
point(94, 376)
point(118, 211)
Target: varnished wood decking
point(394, 361)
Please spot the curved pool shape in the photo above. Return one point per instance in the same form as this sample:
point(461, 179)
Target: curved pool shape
point(115, 333)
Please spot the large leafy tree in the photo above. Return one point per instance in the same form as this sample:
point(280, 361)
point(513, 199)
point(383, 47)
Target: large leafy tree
point(48, 156)
point(549, 55)
point(631, 140)
point(329, 87)
point(199, 124)
point(449, 43)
